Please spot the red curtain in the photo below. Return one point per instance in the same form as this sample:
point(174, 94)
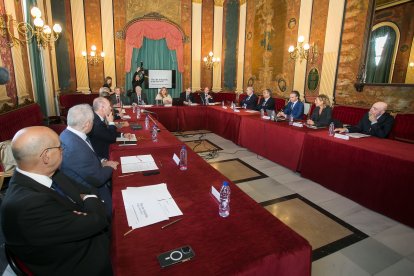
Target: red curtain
point(154, 30)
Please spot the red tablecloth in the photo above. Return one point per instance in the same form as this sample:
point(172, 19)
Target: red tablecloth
point(377, 173)
point(192, 117)
point(278, 142)
point(166, 115)
point(226, 122)
point(249, 242)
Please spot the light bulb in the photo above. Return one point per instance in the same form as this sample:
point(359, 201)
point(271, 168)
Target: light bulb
point(301, 38)
point(218, 59)
point(38, 22)
point(93, 53)
point(291, 49)
point(47, 29)
point(411, 64)
point(35, 12)
point(306, 46)
point(214, 59)
point(205, 59)
point(93, 48)
point(210, 54)
point(57, 28)
point(84, 53)
point(102, 54)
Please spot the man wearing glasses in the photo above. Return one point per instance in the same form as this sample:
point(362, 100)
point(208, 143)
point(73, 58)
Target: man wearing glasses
point(53, 225)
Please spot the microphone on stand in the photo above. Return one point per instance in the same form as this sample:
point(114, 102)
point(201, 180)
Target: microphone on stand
point(150, 112)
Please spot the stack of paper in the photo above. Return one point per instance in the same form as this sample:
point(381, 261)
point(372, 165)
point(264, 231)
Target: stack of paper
point(138, 163)
point(148, 205)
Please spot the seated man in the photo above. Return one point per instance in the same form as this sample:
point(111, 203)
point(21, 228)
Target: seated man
point(119, 98)
point(103, 132)
point(80, 162)
point(294, 108)
point(376, 122)
point(50, 223)
point(251, 101)
point(205, 97)
point(187, 96)
point(139, 97)
point(267, 102)
point(104, 92)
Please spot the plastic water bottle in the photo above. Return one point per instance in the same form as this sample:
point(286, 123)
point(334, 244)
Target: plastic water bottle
point(331, 130)
point(146, 122)
point(134, 107)
point(261, 113)
point(290, 120)
point(183, 159)
point(222, 103)
point(224, 207)
point(154, 134)
point(138, 112)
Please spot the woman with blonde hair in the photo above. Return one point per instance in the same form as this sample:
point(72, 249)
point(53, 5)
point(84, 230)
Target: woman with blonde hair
point(164, 96)
point(322, 114)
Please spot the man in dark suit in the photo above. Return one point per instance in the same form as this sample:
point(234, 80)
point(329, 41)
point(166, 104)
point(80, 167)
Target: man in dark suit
point(138, 78)
point(205, 97)
point(50, 223)
point(251, 101)
point(267, 102)
point(104, 131)
point(187, 96)
point(138, 96)
point(377, 122)
point(119, 98)
point(80, 162)
point(294, 108)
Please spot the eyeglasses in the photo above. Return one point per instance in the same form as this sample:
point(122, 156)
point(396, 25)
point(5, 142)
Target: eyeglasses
point(60, 147)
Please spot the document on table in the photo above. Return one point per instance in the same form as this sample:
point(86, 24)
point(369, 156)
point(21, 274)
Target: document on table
point(138, 163)
point(357, 135)
point(148, 205)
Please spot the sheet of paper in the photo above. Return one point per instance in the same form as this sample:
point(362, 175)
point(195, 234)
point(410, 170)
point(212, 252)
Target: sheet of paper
point(138, 163)
point(357, 135)
point(252, 111)
point(215, 193)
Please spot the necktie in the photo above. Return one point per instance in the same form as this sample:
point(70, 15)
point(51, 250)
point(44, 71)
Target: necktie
point(88, 141)
point(139, 99)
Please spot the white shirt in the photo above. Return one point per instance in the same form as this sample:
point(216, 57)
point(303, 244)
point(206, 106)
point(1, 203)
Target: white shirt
point(103, 120)
point(39, 178)
point(81, 135)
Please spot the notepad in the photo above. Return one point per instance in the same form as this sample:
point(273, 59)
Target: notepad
point(138, 163)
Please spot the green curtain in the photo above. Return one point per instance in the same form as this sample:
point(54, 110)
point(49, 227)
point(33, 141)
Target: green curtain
point(155, 55)
point(36, 63)
point(380, 73)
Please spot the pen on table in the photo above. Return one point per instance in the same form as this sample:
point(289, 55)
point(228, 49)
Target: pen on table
point(160, 164)
point(126, 175)
point(129, 231)
point(171, 223)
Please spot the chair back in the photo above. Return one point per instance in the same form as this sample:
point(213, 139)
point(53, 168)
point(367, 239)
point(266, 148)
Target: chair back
point(16, 264)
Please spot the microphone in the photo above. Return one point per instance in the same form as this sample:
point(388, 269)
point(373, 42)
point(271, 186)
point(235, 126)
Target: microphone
point(4, 76)
point(150, 112)
point(155, 123)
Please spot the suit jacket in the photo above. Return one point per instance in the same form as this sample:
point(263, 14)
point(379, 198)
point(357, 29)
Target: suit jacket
point(101, 136)
point(380, 129)
point(124, 99)
point(269, 105)
point(138, 82)
point(183, 97)
point(250, 103)
point(296, 112)
point(41, 229)
point(323, 119)
point(81, 164)
point(134, 98)
point(203, 98)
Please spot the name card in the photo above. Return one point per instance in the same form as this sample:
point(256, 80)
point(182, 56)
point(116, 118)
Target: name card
point(215, 193)
point(341, 136)
point(224, 107)
point(266, 118)
point(236, 110)
point(296, 124)
point(176, 159)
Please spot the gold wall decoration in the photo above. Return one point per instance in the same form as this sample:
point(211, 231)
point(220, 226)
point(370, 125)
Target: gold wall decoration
point(169, 8)
point(218, 3)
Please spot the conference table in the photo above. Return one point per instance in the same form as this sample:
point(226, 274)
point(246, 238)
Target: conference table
point(378, 173)
point(250, 241)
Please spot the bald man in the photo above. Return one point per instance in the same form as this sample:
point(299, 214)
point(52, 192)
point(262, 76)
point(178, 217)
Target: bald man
point(250, 101)
point(376, 122)
point(52, 224)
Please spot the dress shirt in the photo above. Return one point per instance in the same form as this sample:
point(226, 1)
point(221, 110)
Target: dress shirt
point(39, 178)
point(103, 120)
point(81, 135)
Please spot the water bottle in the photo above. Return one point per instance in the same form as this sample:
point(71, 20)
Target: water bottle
point(146, 122)
point(290, 120)
point(183, 159)
point(331, 130)
point(138, 112)
point(261, 113)
point(134, 107)
point(154, 134)
point(222, 103)
point(224, 207)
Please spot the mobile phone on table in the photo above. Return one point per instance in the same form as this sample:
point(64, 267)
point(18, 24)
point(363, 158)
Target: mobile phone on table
point(175, 256)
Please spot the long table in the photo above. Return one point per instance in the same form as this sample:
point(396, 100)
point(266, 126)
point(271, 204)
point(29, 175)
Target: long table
point(378, 173)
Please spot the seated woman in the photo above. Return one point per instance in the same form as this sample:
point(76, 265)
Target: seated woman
point(164, 96)
point(322, 114)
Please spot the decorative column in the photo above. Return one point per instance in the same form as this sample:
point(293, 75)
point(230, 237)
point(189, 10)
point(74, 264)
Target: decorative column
point(107, 22)
point(217, 42)
point(242, 40)
point(196, 45)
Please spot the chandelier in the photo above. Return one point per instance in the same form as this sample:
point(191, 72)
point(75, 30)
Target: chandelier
point(304, 51)
point(42, 34)
point(93, 59)
point(210, 60)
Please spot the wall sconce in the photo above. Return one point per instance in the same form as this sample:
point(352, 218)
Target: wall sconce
point(92, 58)
point(411, 64)
point(210, 60)
point(303, 51)
point(25, 32)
